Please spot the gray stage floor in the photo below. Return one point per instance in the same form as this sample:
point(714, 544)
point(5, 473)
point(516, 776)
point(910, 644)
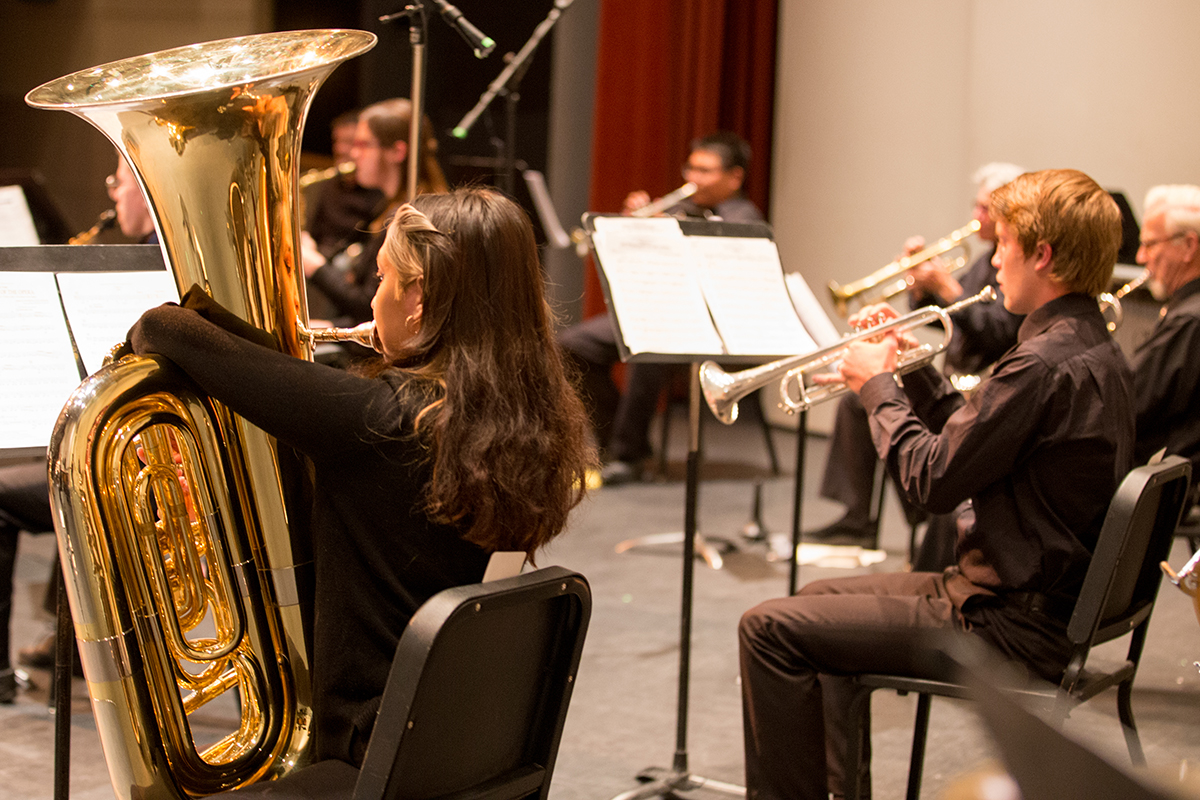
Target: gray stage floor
point(624, 714)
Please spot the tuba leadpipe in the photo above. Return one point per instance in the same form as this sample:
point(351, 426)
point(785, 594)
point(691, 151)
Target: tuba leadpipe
point(174, 516)
point(842, 295)
point(666, 201)
point(363, 334)
point(722, 390)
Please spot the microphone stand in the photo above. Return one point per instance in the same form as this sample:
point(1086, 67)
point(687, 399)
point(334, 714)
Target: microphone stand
point(507, 83)
point(418, 31)
point(418, 34)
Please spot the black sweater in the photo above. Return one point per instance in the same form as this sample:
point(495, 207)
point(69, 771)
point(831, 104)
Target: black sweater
point(377, 556)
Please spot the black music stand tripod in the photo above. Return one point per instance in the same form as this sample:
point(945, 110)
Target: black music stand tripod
point(664, 782)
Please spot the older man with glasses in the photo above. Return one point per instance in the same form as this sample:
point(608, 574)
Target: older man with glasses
point(1166, 366)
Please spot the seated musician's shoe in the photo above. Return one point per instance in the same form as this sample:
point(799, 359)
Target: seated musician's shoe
point(616, 473)
point(844, 532)
point(8, 686)
point(38, 656)
point(41, 656)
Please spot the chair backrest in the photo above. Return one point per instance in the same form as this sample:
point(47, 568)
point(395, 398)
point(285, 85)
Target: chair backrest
point(478, 692)
point(1123, 578)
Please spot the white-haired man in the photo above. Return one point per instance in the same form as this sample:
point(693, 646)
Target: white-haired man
point(982, 333)
point(1166, 366)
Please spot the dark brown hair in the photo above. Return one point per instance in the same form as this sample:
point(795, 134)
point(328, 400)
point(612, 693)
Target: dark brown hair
point(507, 432)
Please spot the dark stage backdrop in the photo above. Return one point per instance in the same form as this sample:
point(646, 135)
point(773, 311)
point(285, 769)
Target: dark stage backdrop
point(455, 79)
point(669, 71)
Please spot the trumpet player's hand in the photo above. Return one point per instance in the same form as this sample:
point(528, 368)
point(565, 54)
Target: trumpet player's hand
point(913, 244)
point(864, 360)
point(932, 278)
point(310, 256)
point(634, 201)
point(872, 315)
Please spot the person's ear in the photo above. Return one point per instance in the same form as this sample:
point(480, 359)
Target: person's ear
point(1191, 245)
point(1043, 256)
point(398, 151)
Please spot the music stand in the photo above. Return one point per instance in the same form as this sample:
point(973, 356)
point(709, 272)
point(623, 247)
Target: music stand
point(51, 260)
point(682, 291)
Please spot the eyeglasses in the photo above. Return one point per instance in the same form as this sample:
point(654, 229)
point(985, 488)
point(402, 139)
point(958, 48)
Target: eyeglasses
point(689, 169)
point(1148, 243)
point(365, 144)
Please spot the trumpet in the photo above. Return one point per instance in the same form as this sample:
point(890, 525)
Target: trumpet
point(666, 201)
point(722, 390)
point(105, 221)
point(1110, 304)
point(317, 175)
point(363, 334)
point(842, 295)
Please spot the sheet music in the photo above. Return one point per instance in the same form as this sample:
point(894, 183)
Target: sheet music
point(102, 307)
point(810, 311)
point(16, 223)
point(744, 287)
point(651, 279)
point(36, 361)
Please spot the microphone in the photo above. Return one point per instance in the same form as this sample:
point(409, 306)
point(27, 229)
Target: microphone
point(480, 42)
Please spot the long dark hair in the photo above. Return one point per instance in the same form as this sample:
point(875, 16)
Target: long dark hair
point(507, 432)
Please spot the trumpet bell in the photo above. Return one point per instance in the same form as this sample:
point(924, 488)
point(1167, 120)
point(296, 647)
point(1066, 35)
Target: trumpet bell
point(722, 390)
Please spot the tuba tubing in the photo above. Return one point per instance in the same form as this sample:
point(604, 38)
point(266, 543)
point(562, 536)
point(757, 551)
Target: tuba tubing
point(722, 390)
point(174, 516)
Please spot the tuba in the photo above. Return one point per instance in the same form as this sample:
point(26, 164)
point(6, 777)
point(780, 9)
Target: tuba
point(176, 519)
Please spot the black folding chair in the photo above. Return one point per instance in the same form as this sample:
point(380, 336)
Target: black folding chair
point(1118, 594)
point(476, 699)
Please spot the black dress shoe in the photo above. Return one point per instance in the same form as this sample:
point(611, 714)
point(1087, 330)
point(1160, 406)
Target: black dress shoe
point(616, 473)
point(8, 686)
point(41, 656)
point(38, 656)
point(844, 533)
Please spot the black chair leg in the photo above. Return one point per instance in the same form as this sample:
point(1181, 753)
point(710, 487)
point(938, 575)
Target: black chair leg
point(859, 707)
point(1128, 726)
point(916, 764)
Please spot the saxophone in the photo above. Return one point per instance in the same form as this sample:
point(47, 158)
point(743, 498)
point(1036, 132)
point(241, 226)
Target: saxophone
point(176, 519)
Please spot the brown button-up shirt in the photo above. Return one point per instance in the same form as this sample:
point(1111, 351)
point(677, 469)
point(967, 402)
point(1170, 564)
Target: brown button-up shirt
point(1039, 450)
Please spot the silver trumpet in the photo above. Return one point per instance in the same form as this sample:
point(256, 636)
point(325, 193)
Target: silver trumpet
point(722, 390)
point(666, 201)
point(363, 334)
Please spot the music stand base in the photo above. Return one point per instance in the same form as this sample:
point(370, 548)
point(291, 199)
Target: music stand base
point(705, 547)
point(662, 782)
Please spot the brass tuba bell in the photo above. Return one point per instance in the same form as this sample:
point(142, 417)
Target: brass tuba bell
point(175, 517)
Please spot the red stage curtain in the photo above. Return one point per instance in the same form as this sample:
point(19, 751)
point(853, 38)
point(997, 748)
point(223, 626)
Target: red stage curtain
point(667, 72)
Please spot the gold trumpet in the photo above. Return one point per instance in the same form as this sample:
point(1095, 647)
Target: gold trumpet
point(1110, 304)
point(314, 176)
point(842, 295)
point(666, 201)
point(186, 575)
point(722, 390)
point(106, 220)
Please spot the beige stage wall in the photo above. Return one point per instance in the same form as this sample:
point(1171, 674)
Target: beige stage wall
point(885, 108)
